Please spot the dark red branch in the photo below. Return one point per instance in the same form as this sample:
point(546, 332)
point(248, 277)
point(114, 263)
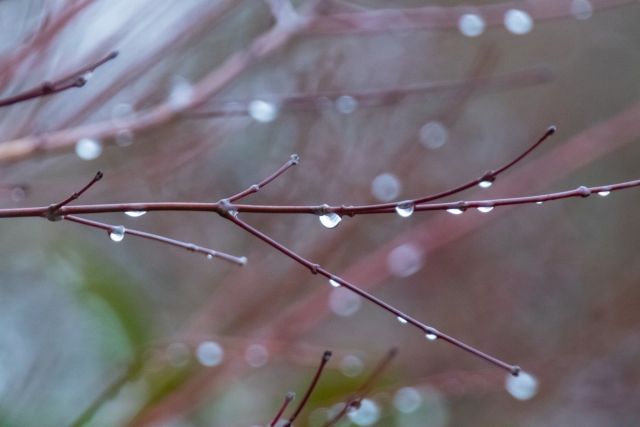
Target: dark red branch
point(74, 196)
point(189, 246)
point(325, 358)
point(288, 398)
point(254, 188)
point(76, 79)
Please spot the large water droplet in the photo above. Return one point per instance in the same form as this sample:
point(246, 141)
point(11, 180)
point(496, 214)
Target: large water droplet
point(485, 208)
point(263, 111)
point(256, 355)
point(385, 187)
point(581, 9)
point(343, 302)
point(334, 283)
point(518, 21)
point(604, 193)
point(405, 209)
point(351, 366)
point(433, 135)
point(330, 220)
point(405, 260)
point(181, 93)
point(402, 320)
point(407, 400)
point(346, 104)
point(367, 414)
point(117, 233)
point(522, 387)
point(209, 353)
point(471, 25)
point(88, 149)
point(455, 211)
point(135, 214)
point(485, 184)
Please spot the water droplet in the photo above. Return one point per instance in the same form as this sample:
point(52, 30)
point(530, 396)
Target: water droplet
point(485, 208)
point(518, 21)
point(351, 366)
point(433, 135)
point(346, 104)
point(209, 353)
point(405, 209)
point(330, 220)
point(405, 260)
point(367, 414)
point(471, 25)
point(455, 211)
point(181, 93)
point(88, 149)
point(522, 387)
point(538, 203)
point(178, 354)
point(124, 138)
point(87, 76)
point(263, 111)
point(135, 214)
point(407, 400)
point(334, 283)
point(256, 355)
point(385, 187)
point(343, 302)
point(209, 256)
point(604, 193)
point(431, 336)
point(117, 233)
point(402, 320)
point(581, 9)
point(485, 184)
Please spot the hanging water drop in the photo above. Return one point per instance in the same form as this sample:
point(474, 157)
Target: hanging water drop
point(485, 208)
point(522, 387)
point(402, 320)
point(209, 256)
point(538, 203)
point(334, 283)
point(518, 21)
point(117, 233)
point(263, 111)
point(135, 214)
point(485, 184)
point(88, 149)
point(430, 336)
point(604, 193)
point(471, 25)
point(405, 209)
point(455, 211)
point(330, 220)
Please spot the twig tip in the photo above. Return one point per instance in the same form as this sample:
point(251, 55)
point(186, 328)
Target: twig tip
point(326, 356)
point(290, 396)
point(295, 159)
point(515, 371)
point(551, 130)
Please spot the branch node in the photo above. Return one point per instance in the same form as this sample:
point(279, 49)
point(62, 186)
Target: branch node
point(314, 270)
point(193, 248)
point(489, 176)
point(47, 87)
point(321, 210)
point(584, 191)
point(227, 209)
point(53, 213)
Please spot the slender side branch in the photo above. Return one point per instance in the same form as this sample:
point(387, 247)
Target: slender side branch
point(120, 231)
point(325, 358)
point(254, 188)
point(74, 196)
point(288, 398)
point(430, 332)
point(76, 79)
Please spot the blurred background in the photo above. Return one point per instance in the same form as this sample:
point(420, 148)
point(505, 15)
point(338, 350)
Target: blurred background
point(383, 101)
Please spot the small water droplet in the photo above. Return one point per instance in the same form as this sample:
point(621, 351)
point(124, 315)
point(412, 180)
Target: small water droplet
point(471, 25)
point(522, 387)
point(405, 209)
point(117, 233)
point(181, 93)
point(433, 135)
point(334, 283)
point(581, 9)
point(209, 256)
point(385, 187)
point(346, 104)
point(295, 159)
point(455, 211)
point(402, 319)
point(209, 353)
point(88, 149)
point(485, 184)
point(367, 414)
point(135, 214)
point(604, 193)
point(263, 111)
point(431, 336)
point(518, 21)
point(87, 76)
point(485, 208)
point(330, 220)
point(538, 203)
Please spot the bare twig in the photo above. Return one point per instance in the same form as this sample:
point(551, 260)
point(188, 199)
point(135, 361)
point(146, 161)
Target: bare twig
point(76, 79)
point(75, 195)
point(288, 398)
point(325, 358)
point(254, 188)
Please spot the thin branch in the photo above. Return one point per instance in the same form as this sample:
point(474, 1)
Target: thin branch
point(288, 398)
point(189, 246)
point(254, 188)
point(430, 332)
point(364, 389)
point(325, 358)
point(76, 79)
point(74, 196)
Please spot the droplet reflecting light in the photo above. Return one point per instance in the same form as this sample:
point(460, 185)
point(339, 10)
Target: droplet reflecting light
point(402, 319)
point(346, 104)
point(405, 209)
point(471, 25)
point(88, 149)
point(485, 184)
point(518, 21)
point(135, 214)
point(117, 233)
point(209, 353)
point(485, 208)
point(604, 193)
point(385, 187)
point(263, 111)
point(522, 387)
point(433, 135)
point(330, 220)
point(455, 211)
point(334, 283)
point(431, 336)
